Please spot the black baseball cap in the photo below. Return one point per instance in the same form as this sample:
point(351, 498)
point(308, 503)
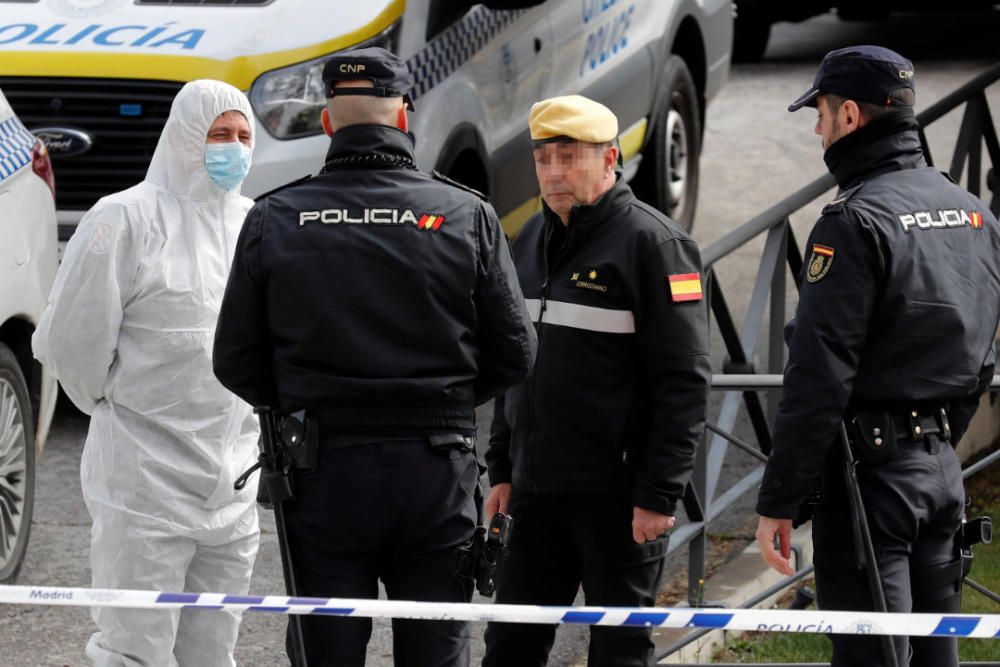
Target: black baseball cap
point(389, 74)
point(864, 74)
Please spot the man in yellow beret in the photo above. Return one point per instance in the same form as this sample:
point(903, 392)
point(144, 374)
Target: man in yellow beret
point(591, 454)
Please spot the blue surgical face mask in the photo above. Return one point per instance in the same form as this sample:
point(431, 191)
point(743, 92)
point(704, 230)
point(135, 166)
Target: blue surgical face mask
point(227, 164)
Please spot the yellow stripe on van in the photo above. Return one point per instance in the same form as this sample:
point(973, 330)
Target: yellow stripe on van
point(632, 138)
point(240, 71)
point(513, 221)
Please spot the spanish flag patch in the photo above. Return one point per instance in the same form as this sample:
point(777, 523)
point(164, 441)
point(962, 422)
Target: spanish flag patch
point(685, 286)
point(430, 221)
point(820, 263)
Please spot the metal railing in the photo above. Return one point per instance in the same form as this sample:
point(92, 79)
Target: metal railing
point(741, 380)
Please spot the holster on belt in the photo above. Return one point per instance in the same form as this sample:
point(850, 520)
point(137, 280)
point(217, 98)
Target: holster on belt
point(873, 436)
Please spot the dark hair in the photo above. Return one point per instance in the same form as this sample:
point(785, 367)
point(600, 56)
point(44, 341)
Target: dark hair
point(869, 110)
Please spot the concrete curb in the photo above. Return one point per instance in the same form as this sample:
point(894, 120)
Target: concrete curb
point(738, 580)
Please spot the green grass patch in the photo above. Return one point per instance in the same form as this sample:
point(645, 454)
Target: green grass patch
point(983, 489)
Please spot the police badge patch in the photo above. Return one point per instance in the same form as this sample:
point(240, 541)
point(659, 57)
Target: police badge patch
point(819, 263)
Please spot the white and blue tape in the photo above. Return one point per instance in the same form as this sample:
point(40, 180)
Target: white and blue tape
point(758, 620)
point(16, 145)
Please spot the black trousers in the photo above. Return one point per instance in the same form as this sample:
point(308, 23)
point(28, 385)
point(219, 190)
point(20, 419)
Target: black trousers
point(392, 511)
point(557, 544)
point(914, 505)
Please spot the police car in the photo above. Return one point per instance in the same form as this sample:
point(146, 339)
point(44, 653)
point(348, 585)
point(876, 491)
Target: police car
point(94, 79)
point(27, 270)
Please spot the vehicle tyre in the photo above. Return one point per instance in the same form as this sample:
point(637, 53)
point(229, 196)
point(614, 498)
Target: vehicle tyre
point(17, 466)
point(751, 32)
point(668, 174)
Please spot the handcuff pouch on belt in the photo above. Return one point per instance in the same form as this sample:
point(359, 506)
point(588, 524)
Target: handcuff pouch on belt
point(873, 436)
point(299, 435)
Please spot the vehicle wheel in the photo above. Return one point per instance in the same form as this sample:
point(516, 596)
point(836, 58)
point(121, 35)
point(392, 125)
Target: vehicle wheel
point(668, 174)
point(751, 32)
point(17, 466)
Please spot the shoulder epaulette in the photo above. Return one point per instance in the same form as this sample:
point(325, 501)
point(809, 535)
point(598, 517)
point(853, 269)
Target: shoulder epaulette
point(438, 176)
point(282, 187)
point(838, 204)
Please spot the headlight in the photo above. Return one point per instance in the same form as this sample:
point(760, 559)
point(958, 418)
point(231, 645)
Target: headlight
point(289, 101)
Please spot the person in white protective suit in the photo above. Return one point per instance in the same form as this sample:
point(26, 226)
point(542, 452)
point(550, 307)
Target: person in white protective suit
point(128, 331)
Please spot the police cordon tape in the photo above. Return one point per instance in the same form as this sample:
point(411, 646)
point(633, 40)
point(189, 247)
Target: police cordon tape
point(757, 620)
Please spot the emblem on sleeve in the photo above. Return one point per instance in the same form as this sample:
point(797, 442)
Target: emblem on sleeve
point(819, 263)
point(102, 239)
point(685, 286)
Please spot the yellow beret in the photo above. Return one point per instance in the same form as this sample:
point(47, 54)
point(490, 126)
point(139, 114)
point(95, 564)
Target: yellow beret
point(572, 116)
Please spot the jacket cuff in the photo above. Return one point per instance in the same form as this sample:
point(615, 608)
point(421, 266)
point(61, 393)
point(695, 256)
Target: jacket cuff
point(778, 499)
point(654, 502)
point(774, 509)
point(500, 472)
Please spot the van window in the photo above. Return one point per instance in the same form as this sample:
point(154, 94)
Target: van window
point(443, 14)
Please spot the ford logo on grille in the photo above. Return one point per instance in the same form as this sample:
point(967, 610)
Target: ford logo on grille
point(64, 141)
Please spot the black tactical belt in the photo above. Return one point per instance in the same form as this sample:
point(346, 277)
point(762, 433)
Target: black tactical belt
point(914, 425)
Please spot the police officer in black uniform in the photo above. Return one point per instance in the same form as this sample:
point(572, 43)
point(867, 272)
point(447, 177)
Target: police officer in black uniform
point(383, 302)
point(898, 309)
point(592, 453)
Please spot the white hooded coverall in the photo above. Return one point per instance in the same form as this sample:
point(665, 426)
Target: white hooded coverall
point(128, 331)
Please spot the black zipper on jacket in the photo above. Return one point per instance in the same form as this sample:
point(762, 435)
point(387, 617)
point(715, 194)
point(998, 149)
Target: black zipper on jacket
point(546, 270)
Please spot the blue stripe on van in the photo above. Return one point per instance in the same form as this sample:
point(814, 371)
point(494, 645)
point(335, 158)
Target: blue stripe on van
point(16, 144)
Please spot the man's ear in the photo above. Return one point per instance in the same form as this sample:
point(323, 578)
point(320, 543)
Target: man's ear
point(402, 120)
point(324, 120)
point(610, 157)
point(850, 115)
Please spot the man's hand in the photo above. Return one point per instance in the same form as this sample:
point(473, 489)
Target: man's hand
point(498, 500)
point(647, 525)
point(767, 528)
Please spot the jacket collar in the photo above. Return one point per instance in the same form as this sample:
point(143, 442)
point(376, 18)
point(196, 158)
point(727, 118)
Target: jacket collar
point(367, 139)
point(583, 218)
point(888, 143)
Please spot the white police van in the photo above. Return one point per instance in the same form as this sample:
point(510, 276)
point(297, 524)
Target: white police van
point(27, 271)
point(94, 79)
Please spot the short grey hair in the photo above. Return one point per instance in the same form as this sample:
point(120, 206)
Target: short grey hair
point(363, 109)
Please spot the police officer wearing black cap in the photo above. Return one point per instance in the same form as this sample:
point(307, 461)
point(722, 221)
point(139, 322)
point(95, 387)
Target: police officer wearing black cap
point(382, 302)
point(898, 308)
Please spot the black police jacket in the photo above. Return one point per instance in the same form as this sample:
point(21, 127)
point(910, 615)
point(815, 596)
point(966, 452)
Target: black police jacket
point(898, 305)
point(379, 297)
point(615, 404)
